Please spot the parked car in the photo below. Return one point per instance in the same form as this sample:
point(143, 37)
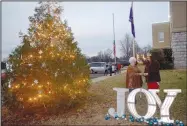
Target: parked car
point(98, 67)
point(124, 63)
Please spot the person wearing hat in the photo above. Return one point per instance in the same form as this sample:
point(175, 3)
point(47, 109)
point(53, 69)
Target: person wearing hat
point(133, 77)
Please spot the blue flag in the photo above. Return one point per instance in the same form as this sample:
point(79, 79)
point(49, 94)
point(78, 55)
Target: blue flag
point(131, 19)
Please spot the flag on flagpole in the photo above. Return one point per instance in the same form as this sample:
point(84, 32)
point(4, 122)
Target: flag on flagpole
point(131, 19)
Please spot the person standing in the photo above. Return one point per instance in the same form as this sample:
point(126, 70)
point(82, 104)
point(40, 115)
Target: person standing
point(106, 71)
point(133, 75)
point(110, 69)
point(152, 68)
point(116, 68)
point(119, 68)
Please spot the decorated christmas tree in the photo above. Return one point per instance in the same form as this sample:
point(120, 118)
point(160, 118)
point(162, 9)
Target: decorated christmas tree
point(48, 69)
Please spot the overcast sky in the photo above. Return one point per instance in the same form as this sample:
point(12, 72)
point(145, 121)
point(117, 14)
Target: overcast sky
point(91, 23)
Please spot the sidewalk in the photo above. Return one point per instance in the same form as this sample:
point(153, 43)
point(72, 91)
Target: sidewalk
point(95, 80)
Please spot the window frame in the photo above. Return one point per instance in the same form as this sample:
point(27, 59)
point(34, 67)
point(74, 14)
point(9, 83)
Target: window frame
point(161, 36)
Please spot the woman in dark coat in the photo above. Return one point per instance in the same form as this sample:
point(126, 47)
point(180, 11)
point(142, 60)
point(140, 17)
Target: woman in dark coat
point(152, 67)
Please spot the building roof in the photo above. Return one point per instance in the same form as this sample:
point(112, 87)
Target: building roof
point(164, 22)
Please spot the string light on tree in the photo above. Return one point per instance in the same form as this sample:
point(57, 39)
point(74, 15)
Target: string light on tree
point(40, 52)
point(36, 81)
point(49, 50)
point(60, 48)
point(29, 64)
point(43, 65)
point(32, 44)
point(31, 56)
point(56, 74)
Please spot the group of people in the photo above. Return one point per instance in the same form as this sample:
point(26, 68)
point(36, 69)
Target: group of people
point(113, 69)
point(151, 74)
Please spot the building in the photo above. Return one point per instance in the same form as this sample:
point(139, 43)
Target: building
point(178, 32)
point(173, 34)
point(161, 35)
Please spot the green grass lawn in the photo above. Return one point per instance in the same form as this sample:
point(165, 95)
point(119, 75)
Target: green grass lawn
point(176, 79)
point(170, 79)
point(102, 97)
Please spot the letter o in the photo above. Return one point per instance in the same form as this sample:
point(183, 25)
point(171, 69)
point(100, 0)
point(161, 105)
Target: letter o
point(151, 103)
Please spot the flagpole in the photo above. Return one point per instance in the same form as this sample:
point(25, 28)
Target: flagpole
point(133, 36)
point(114, 39)
point(134, 47)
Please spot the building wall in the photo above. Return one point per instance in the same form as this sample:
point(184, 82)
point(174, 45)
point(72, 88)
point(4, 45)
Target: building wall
point(179, 33)
point(156, 29)
point(178, 16)
point(179, 49)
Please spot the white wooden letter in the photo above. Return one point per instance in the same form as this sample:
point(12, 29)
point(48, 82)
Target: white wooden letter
point(120, 102)
point(151, 103)
point(165, 106)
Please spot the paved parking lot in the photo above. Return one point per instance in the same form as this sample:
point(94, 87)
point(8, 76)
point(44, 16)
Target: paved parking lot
point(92, 76)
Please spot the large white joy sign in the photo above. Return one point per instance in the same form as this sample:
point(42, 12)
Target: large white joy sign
point(152, 99)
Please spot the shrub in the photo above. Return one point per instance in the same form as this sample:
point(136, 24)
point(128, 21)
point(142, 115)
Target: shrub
point(164, 57)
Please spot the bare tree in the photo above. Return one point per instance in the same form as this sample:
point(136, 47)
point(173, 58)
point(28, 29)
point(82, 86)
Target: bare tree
point(147, 48)
point(138, 49)
point(100, 56)
point(127, 46)
point(107, 55)
point(88, 59)
point(95, 59)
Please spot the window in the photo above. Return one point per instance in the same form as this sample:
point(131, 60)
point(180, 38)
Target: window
point(161, 36)
point(96, 65)
point(3, 65)
point(103, 64)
